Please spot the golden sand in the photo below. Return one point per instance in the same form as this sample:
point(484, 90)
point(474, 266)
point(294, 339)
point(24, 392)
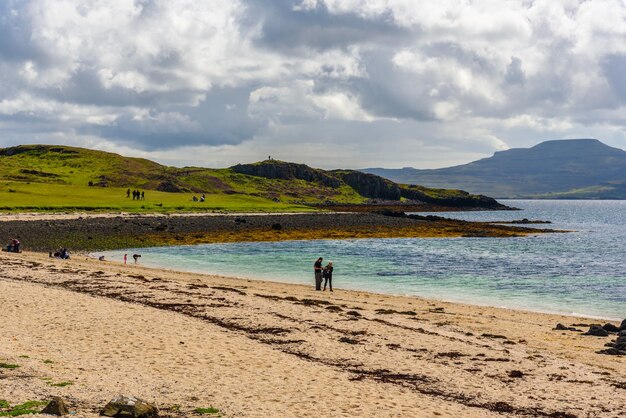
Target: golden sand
point(254, 348)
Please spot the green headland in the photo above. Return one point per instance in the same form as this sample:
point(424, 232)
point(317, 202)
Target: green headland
point(47, 178)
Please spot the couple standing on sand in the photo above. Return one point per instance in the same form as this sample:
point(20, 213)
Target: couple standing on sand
point(323, 272)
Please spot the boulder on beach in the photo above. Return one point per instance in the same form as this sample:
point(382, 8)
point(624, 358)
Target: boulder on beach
point(129, 406)
point(56, 406)
point(612, 352)
point(610, 327)
point(622, 327)
point(561, 327)
point(597, 331)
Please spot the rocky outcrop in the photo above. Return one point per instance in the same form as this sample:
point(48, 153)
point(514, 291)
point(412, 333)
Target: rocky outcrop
point(56, 406)
point(129, 406)
point(370, 185)
point(460, 199)
point(617, 347)
point(272, 169)
point(597, 331)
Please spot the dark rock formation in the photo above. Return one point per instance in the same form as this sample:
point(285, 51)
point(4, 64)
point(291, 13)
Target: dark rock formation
point(617, 347)
point(128, 406)
point(56, 406)
point(597, 331)
point(461, 199)
point(561, 327)
point(610, 327)
point(272, 169)
point(370, 185)
point(623, 325)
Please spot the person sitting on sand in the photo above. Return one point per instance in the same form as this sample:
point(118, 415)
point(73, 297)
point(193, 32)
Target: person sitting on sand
point(317, 269)
point(328, 275)
point(14, 246)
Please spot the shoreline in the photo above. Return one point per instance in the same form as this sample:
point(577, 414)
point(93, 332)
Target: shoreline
point(93, 233)
point(235, 276)
point(186, 340)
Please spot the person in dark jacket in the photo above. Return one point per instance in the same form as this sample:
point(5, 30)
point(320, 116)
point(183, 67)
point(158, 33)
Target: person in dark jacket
point(328, 275)
point(318, 270)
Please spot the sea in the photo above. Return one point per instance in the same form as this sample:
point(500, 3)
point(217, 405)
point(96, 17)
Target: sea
point(580, 273)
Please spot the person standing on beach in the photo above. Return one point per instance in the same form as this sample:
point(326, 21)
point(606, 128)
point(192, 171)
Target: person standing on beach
point(328, 275)
point(125, 257)
point(317, 269)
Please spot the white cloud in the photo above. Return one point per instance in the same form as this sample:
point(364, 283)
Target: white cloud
point(430, 80)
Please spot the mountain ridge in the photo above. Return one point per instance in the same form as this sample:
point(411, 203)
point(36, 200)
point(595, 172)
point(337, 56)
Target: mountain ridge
point(569, 168)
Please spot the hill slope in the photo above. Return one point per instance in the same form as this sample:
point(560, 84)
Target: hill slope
point(577, 168)
point(57, 177)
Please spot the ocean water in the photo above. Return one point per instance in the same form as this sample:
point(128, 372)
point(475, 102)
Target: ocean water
point(579, 273)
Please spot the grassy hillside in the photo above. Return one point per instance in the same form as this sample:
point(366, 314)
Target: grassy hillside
point(52, 178)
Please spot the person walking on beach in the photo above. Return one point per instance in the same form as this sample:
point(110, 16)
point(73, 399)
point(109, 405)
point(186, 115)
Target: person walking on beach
point(125, 257)
point(328, 275)
point(317, 269)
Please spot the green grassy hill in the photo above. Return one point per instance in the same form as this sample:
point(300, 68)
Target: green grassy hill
point(52, 178)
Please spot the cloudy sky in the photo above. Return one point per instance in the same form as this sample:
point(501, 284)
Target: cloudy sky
point(331, 83)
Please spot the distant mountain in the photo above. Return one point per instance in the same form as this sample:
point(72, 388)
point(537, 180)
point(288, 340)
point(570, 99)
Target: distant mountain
point(569, 168)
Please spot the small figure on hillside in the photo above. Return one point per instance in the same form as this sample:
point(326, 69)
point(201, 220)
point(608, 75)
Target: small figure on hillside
point(317, 269)
point(328, 275)
point(136, 257)
point(195, 199)
point(143, 195)
point(128, 193)
point(202, 198)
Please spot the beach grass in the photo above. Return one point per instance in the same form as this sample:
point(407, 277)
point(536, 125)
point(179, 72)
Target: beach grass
point(9, 366)
point(60, 384)
point(26, 408)
point(209, 410)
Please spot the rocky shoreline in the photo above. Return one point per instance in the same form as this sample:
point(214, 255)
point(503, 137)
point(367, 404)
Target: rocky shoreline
point(91, 233)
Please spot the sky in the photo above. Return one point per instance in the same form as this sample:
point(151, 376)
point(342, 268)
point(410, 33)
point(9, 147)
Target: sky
point(329, 83)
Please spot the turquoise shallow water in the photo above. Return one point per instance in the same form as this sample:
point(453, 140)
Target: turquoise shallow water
point(580, 273)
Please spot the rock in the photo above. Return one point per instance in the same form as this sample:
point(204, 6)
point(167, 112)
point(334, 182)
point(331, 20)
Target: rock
point(610, 327)
point(612, 352)
point(56, 406)
point(516, 374)
point(128, 406)
point(561, 327)
point(619, 343)
point(623, 325)
point(597, 331)
point(622, 333)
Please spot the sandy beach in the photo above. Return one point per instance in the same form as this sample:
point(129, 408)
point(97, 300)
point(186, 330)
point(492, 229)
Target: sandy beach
point(87, 330)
